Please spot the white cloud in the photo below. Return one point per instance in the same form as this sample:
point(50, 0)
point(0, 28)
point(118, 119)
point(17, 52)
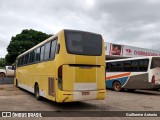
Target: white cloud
point(119, 21)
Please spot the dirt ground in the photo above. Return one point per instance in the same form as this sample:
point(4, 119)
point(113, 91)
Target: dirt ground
point(15, 99)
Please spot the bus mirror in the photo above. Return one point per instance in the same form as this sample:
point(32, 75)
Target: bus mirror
point(13, 67)
point(58, 48)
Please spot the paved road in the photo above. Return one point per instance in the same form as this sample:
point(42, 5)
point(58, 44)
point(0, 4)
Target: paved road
point(14, 99)
point(6, 80)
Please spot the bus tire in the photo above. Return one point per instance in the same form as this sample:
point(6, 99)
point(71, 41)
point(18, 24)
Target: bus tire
point(117, 86)
point(2, 74)
point(38, 97)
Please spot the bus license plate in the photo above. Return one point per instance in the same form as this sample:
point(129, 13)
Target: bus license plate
point(85, 93)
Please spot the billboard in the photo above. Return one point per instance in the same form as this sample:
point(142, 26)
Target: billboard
point(128, 51)
point(116, 49)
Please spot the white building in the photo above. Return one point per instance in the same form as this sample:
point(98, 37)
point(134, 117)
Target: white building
point(116, 51)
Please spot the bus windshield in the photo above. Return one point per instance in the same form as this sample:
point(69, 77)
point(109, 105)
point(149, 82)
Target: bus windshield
point(83, 43)
point(155, 62)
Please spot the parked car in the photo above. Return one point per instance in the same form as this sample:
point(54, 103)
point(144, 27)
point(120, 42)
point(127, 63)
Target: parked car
point(8, 71)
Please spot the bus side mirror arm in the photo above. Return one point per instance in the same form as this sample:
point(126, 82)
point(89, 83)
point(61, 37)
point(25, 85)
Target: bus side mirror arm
point(13, 67)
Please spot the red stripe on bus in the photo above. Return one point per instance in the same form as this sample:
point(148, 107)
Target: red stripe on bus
point(117, 76)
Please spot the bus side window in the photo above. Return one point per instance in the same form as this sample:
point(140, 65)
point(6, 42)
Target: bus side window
point(32, 56)
point(143, 65)
point(53, 49)
point(134, 66)
point(127, 66)
point(146, 64)
point(107, 67)
point(37, 54)
point(26, 60)
point(22, 60)
point(19, 61)
point(47, 51)
point(119, 67)
point(42, 53)
point(113, 67)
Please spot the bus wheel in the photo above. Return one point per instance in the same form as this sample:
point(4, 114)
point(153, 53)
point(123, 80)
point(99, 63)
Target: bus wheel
point(38, 97)
point(117, 86)
point(2, 74)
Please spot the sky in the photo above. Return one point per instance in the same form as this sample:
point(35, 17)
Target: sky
point(129, 22)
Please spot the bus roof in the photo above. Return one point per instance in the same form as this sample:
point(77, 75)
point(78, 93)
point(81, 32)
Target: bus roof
point(134, 58)
point(49, 39)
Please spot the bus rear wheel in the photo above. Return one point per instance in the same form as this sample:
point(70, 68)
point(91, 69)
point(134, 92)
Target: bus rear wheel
point(38, 97)
point(117, 86)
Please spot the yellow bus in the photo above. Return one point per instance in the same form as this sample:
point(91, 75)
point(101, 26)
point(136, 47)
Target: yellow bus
point(69, 66)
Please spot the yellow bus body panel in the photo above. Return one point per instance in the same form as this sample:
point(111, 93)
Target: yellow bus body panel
point(75, 78)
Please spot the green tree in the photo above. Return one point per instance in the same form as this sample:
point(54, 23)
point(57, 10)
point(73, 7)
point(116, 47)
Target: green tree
point(2, 62)
point(22, 42)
